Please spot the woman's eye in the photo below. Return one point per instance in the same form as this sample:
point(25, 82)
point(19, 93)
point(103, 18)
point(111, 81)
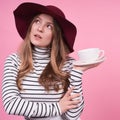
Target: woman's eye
point(49, 27)
point(37, 21)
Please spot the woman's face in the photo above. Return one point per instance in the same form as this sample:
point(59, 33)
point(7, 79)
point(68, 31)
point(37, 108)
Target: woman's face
point(41, 33)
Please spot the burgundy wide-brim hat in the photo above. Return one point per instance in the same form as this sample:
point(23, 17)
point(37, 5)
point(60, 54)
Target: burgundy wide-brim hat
point(25, 12)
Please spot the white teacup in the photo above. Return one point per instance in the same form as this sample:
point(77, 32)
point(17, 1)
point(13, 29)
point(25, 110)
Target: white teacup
point(90, 55)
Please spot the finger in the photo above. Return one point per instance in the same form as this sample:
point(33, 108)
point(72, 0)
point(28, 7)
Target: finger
point(74, 96)
point(75, 102)
point(68, 93)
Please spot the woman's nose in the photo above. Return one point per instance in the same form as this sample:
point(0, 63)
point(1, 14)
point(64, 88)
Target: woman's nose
point(40, 28)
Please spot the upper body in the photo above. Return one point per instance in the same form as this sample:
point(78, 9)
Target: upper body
point(40, 80)
point(34, 100)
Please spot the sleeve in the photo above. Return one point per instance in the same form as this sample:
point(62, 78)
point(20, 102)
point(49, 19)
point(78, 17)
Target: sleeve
point(76, 81)
point(14, 104)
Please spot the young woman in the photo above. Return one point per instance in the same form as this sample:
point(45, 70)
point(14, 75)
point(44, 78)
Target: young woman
point(40, 81)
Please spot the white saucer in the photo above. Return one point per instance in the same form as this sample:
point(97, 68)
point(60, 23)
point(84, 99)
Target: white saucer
point(79, 63)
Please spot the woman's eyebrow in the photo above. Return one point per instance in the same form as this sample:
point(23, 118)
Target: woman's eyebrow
point(50, 22)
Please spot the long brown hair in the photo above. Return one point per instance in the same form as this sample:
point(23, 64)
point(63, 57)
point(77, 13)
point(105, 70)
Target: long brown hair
point(52, 75)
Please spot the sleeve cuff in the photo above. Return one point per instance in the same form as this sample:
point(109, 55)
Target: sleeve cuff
point(59, 109)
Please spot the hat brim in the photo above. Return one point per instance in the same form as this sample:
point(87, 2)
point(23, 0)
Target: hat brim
point(27, 11)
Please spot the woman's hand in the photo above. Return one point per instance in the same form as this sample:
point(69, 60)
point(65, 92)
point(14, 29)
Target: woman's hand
point(67, 102)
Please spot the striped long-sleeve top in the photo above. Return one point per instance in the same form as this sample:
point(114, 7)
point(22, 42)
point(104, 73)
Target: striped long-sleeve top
point(33, 102)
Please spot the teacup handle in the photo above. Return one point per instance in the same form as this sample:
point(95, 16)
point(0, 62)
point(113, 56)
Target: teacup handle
point(101, 54)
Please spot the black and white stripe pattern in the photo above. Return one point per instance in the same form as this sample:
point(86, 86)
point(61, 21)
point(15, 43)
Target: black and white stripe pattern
point(34, 103)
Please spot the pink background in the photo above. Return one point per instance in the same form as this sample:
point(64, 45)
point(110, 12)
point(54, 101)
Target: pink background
point(98, 24)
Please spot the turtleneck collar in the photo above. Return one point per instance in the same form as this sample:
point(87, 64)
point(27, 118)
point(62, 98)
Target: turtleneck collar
point(41, 53)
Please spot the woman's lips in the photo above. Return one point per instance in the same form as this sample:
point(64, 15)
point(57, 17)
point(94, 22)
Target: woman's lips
point(38, 36)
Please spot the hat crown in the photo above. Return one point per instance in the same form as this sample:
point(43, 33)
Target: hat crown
point(56, 10)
